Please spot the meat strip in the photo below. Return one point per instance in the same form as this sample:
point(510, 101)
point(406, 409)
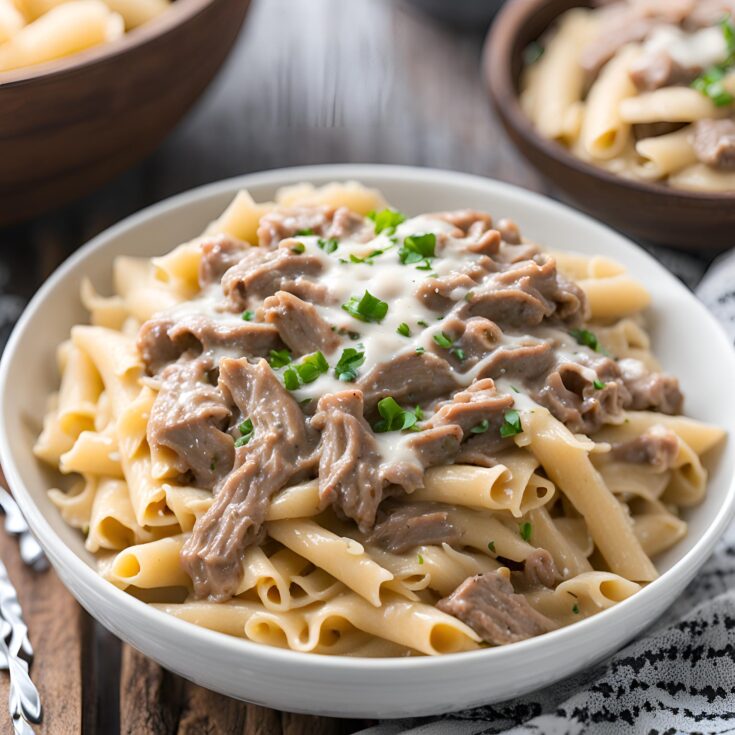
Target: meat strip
point(658, 447)
point(540, 570)
point(299, 324)
point(219, 254)
point(654, 391)
point(410, 378)
point(489, 605)
point(269, 272)
point(281, 450)
point(403, 526)
point(189, 417)
point(164, 339)
point(323, 221)
point(714, 143)
point(349, 466)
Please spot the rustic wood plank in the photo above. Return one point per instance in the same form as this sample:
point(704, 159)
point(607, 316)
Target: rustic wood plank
point(56, 624)
point(207, 713)
point(150, 697)
point(262, 721)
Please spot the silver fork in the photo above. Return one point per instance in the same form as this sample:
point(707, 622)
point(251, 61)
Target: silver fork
point(16, 652)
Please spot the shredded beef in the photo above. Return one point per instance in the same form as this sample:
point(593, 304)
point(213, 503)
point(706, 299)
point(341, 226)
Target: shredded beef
point(323, 221)
point(190, 417)
point(280, 450)
point(403, 526)
point(540, 570)
point(299, 324)
point(654, 391)
point(349, 467)
point(219, 254)
point(658, 447)
point(714, 143)
point(163, 339)
point(488, 604)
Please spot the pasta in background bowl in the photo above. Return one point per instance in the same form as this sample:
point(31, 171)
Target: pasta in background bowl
point(626, 106)
point(305, 554)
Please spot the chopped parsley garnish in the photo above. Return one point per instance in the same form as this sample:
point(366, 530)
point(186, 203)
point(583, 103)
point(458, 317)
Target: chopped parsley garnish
point(575, 608)
point(525, 530)
point(291, 379)
point(480, 428)
point(369, 308)
point(279, 358)
point(307, 371)
point(443, 341)
point(418, 248)
point(421, 559)
point(386, 220)
point(404, 330)
point(587, 339)
point(307, 232)
point(420, 350)
point(599, 385)
point(393, 417)
point(346, 367)
point(298, 248)
point(213, 464)
point(446, 343)
point(349, 333)
point(422, 323)
point(491, 546)
point(248, 316)
point(514, 389)
point(246, 433)
point(419, 412)
point(532, 53)
point(328, 246)
point(469, 296)
point(511, 424)
point(710, 82)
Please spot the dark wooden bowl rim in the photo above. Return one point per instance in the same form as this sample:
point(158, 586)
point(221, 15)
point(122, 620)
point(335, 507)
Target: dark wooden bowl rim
point(180, 12)
point(497, 59)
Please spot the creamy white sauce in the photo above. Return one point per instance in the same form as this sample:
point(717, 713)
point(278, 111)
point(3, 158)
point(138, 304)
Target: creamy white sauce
point(700, 49)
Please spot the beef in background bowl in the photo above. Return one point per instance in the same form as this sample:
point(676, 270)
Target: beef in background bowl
point(649, 211)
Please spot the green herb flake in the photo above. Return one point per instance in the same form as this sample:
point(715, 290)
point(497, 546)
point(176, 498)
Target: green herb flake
point(514, 389)
point(368, 308)
point(532, 53)
point(422, 323)
point(480, 428)
point(246, 433)
point(421, 559)
point(386, 220)
point(458, 352)
point(511, 424)
point(307, 232)
point(393, 417)
point(599, 385)
point(298, 248)
point(403, 329)
point(346, 367)
point(443, 341)
point(575, 608)
point(279, 358)
point(587, 339)
point(248, 316)
point(417, 249)
point(311, 367)
point(469, 296)
point(491, 546)
point(711, 82)
point(212, 465)
point(420, 350)
point(525, 530)
point(328, 246)
point(291, 379)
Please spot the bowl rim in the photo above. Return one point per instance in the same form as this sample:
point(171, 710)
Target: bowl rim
point(180, 12)
point(133, 609)
point(503, 91)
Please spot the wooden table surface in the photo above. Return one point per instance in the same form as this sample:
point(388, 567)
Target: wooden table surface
point(310, 81)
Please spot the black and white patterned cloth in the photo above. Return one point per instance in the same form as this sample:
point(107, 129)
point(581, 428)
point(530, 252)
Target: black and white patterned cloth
point(679, 675)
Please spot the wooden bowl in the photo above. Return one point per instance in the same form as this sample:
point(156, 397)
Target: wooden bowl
point(652, 212)
point(69, 125)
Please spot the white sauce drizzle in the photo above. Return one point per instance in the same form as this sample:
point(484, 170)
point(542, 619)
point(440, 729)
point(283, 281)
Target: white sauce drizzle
point(700, 49)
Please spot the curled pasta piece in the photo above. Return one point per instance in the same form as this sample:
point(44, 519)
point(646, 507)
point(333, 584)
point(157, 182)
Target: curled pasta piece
point(615, 297)
point(229, 617)
point(344, 558)
point(149, 565)
point(179, 269)
point(241, 218)
point(75, 505)
point(350, 194)
point(94, 453)
point(104, 311)
point(479, 487)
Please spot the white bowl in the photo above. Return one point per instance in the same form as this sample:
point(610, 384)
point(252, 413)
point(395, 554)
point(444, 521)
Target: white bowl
point(686, 337)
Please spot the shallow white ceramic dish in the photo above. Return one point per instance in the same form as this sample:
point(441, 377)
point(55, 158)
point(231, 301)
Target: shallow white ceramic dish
point(687, 339)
